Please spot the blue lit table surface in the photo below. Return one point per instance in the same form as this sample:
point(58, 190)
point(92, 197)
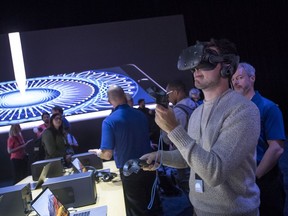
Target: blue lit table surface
point(108, 193)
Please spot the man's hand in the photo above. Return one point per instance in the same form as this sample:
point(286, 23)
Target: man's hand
point(154, 146)
point(103, 154)
point(165, 118)
point(95, 151)
point(152, 159)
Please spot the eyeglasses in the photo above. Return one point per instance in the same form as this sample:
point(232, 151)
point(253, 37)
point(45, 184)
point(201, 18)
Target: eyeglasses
point(58, 119)
point(169, 92)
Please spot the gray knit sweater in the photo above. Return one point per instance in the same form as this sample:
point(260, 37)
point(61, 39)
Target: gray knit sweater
point(221, 149)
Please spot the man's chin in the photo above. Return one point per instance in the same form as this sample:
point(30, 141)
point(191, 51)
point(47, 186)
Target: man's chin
point(239, 90)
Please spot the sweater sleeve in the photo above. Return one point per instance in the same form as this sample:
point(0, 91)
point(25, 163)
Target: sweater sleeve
point(173, 159)
point(232, 139)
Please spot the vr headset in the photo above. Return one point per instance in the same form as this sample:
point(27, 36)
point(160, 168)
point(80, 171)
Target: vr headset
point(200, 56)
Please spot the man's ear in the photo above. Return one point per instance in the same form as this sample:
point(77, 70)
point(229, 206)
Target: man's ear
point(252, 78)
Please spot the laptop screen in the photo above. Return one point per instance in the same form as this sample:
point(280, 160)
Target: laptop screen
point(47, 204)
point(42, 177)
point(89, 159)
point(78, 165)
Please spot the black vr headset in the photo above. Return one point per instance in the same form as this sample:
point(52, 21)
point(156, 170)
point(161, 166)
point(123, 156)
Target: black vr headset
point(200, 56)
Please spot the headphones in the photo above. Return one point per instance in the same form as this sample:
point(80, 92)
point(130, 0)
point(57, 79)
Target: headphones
point(199, 56)
point(229, 65)
point(105, 176)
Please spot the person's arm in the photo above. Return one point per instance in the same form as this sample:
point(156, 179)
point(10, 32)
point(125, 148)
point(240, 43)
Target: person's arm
point(172, 158)
point(270, 158)
point(275, 134)
point(181, 116)
point(231, 141)
point(107, 142)
point(75, 143)
point(103, 154)
point(12, 150)
point(234, 145)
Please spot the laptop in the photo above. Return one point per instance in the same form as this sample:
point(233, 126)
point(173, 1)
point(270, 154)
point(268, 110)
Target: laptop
point(47, 204)
point(37, 184)
point(89, 159)
point(78, 166)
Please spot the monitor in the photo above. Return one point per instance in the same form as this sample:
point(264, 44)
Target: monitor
point(56, 168)
point(89, 159)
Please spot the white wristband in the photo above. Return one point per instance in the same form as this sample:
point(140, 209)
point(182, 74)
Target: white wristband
point(99, 153)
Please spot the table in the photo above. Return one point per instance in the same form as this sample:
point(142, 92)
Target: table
point(108, 193)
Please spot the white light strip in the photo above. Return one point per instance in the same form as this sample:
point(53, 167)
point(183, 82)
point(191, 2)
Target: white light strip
point(18, 62)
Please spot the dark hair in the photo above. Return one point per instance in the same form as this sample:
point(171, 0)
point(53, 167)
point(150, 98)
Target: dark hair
point(177, 85)
point(44, 113)
point(58, 108)
point(229, 52)
point(52, 128)
point(140, 100)
point(223, 46)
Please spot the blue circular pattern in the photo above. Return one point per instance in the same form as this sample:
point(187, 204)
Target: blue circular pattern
point(32, 97)
point(76, 93)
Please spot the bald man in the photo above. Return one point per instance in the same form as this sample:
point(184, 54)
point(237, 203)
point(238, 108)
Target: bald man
point(125, 135)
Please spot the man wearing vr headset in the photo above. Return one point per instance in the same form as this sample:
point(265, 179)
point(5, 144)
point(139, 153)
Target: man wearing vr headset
point(220, 145)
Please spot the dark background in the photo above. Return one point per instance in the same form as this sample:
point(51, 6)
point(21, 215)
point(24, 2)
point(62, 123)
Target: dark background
point(258, 28)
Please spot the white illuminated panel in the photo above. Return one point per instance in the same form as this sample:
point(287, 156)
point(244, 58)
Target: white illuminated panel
point(18, 62)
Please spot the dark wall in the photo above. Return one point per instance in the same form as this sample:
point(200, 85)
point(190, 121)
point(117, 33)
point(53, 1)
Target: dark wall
point(259, 28)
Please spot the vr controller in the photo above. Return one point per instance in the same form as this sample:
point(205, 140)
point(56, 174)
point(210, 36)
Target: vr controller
point(133, 166)
point(159, 95)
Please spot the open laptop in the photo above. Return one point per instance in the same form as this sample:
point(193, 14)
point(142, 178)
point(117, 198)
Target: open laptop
point(47, 204)
point(78, 166)
point(37, 184)
point(89, 159)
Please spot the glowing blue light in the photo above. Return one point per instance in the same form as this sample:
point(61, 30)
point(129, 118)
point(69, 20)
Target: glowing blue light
point(76, 93)
point(28, 98)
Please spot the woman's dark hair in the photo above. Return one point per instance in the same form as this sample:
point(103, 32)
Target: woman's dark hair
point(52, 127)
point(43, 114)
point(58, 108)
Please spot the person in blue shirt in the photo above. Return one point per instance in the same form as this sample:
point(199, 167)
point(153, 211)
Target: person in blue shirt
point(125, 136)
point(195, 95)
point(270, 143)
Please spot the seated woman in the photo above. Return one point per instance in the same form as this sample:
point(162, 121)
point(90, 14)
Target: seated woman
point(54, 140)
